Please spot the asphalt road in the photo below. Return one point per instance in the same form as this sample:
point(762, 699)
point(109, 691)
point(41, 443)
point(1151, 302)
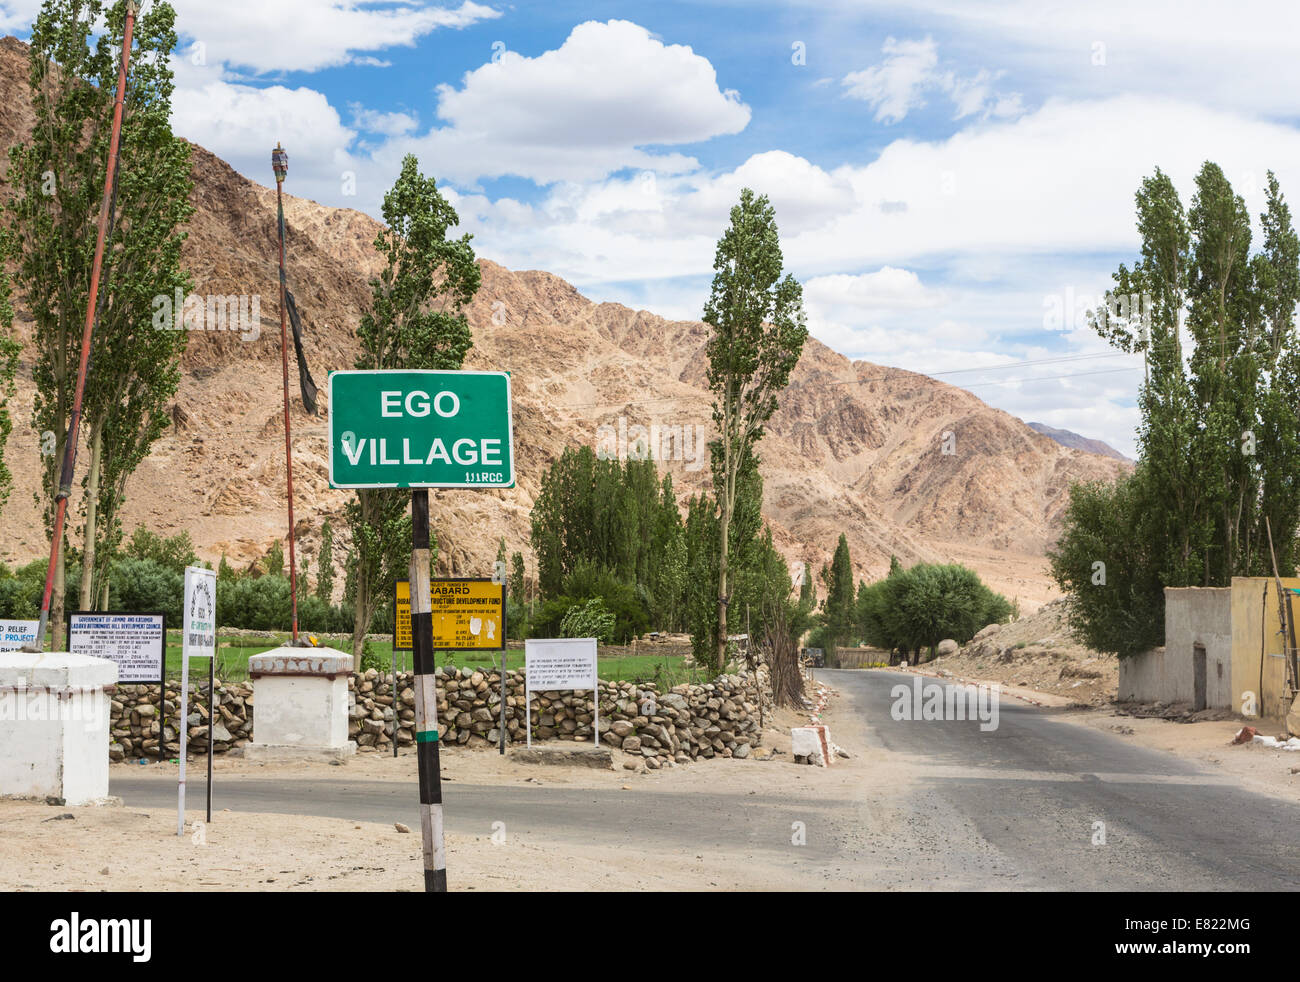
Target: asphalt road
point(931, 805)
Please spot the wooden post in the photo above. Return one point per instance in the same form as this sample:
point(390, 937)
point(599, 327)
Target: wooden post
point(426, 698)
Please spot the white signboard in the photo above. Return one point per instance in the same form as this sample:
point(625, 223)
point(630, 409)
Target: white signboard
point(560, 663)
point(136, 642)
point(15, 634)
point(198, 640)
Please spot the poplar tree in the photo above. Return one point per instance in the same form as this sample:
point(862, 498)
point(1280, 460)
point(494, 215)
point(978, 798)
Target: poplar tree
point(1219, 437)
point(416, 320)
point(9, 350)
point(758, 334)
point(58, 177)
point(325, 564)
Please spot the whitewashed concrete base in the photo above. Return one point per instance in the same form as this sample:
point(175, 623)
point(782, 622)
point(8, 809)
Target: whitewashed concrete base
point(301, 697)
point(811, 743)
point(54, 723)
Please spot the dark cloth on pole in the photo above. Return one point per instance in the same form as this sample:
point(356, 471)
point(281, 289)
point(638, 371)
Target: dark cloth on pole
point(304, 374)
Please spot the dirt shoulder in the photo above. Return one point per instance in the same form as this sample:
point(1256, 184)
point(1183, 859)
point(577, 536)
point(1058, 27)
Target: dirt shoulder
point(105, 847)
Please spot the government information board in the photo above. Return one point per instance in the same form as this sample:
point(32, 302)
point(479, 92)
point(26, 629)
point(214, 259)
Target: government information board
point(136, 642)
point(468, 615)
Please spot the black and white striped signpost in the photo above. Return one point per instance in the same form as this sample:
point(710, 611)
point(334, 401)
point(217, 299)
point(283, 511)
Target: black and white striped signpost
point(421, 429)
point(426, 699)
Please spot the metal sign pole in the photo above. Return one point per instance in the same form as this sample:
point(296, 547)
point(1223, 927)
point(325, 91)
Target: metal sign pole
point(502, 740)
point(185, 729)
point(426, 698)
point(212, 722)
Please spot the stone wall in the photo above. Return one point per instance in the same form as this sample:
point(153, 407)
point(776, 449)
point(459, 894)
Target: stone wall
point(686, 723)
point(143, 720)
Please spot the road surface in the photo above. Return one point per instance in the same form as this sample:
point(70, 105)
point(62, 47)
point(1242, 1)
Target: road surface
point(1037, 804)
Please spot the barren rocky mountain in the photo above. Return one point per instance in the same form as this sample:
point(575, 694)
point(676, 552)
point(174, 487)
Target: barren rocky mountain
point(899, 462)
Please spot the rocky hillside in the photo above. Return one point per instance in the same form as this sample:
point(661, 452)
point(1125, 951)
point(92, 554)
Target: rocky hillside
point(855, 448)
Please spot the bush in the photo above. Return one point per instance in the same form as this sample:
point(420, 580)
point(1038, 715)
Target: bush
point(260, 604)
point(588, 620)
point(21, 589)
point(1115, 592)
point(623, 600)
point(144, 585)
point(919, 607)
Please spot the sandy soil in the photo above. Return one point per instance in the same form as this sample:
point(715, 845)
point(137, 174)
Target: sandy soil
point(1037, 653)
point(246, 851)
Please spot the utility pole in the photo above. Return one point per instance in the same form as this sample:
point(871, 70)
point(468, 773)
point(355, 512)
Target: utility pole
point(106, 205)
point(426, 698)
point(280, 164)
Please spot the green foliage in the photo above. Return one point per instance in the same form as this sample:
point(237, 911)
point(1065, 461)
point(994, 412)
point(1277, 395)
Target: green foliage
point(57, 176)
point(758, 334)
point(621, 599)
point(416, 320)
point(9, 351)
point(172, 552)
point(325, 563)
point(921, 606)
point(21, 590)
point(588, 619)
point(839, 606)
point(516, 587)
point(1219, 439)
point(274, 559)
point(1116, 604)
point(143, 585)
point(225, 571)
point(701, 603)
point(599, 515)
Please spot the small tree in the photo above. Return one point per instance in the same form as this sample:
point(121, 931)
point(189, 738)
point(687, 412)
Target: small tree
point(416, 320)
point(516, 587)
point(758, 334)
point(325, 570)
point(275, 559)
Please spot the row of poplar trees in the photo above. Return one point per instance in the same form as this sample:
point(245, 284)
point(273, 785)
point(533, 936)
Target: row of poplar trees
point(1219, 437)
point(56, 179)
point(702, 572)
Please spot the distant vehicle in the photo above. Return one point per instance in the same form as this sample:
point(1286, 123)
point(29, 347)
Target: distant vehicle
point(814, 657)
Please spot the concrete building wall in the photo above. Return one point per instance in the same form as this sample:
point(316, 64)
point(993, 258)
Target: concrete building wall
point(1199, 616)
point(1258, 666)
point(1193, 616)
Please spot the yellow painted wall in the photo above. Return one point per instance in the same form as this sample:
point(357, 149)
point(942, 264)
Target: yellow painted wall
point(1255, 619)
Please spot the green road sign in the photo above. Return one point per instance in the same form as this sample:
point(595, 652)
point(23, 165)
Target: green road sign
point(420, 429)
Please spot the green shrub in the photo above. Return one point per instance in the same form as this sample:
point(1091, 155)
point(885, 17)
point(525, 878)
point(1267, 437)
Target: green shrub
point(588, 620)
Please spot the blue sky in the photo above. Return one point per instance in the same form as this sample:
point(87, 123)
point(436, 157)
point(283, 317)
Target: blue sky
point(953, 179)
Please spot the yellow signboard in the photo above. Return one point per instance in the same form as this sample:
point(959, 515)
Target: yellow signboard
point(468, 615)
point(402, 616)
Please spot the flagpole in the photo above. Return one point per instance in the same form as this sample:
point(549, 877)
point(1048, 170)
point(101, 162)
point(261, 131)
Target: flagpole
point(87, 334)
point(280, 164)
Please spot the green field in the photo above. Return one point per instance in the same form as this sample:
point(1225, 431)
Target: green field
point(233, 653)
